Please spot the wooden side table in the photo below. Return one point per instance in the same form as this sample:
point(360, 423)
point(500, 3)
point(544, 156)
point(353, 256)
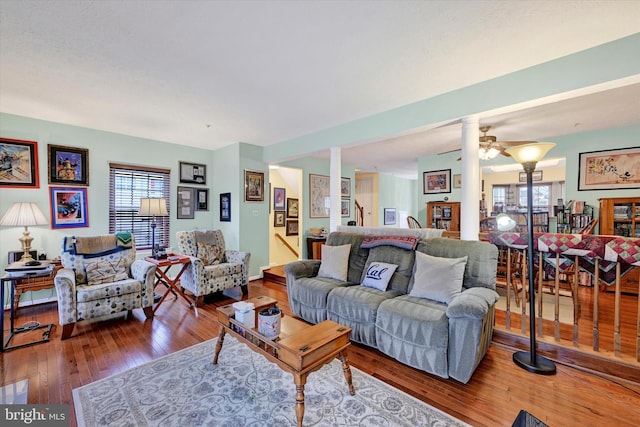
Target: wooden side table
point(164, 265)
point(36, 283)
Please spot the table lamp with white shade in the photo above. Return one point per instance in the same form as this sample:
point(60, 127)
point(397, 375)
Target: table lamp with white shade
point(153, 207)
point(24, 214)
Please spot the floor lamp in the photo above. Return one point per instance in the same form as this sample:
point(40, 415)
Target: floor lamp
point(24, 214)
point(528, 155)
point(153, 208)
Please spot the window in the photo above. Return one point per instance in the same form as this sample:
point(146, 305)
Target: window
point(499, 197)
point(541, 197)
point(127, 185)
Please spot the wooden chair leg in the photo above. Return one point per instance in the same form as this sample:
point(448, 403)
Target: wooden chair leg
point(67, 330)
point(148, 311)
point(244, 289)
point(198, 301)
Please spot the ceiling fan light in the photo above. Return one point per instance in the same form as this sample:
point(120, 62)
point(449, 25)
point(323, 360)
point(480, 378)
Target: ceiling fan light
point(488, 153)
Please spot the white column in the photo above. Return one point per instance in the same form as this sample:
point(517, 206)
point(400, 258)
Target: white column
point(470, 187)
point(335, 174)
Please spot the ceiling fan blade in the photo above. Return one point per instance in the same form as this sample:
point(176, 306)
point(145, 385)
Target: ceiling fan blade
point(450, 151)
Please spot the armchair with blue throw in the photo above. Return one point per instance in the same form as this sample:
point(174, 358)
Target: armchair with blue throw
point(101, 276)
point(213, 268)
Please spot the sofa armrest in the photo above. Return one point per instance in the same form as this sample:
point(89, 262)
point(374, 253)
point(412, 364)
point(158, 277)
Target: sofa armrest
point(240, 257)
point(65, 283)
point(145, 272)
point(303, 268)
point(473, 303)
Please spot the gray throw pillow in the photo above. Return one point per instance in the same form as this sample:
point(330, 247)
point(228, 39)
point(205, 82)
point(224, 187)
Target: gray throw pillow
point(437, 278)
point(335, 262)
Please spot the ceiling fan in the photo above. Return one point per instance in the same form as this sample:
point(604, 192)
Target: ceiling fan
point(490, 147)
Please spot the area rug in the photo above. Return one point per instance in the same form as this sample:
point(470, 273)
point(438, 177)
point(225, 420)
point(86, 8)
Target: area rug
point(243, 389)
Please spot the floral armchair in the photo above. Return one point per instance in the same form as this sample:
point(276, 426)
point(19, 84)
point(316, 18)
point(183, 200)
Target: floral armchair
point(213, 268)
point(101, 276)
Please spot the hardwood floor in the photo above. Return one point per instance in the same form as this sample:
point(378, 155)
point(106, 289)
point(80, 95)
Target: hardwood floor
point(493, 397)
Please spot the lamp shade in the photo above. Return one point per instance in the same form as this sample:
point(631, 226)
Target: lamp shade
point(153, 207)
point(23, 214)
point(527, 153)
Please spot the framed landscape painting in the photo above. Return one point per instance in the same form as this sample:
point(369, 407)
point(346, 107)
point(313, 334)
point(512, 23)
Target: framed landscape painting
point(253, 186)
point(18, 164)
point(609, 169)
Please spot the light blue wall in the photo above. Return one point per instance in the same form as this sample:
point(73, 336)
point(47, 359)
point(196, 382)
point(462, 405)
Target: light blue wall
point(396, 193)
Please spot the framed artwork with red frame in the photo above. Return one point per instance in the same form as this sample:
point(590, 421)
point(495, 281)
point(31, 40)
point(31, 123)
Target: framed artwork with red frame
point(18, 164)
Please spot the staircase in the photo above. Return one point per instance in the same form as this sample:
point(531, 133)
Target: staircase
point(275, 274)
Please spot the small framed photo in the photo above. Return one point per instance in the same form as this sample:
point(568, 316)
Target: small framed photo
point(436, 182)
point(457, 180)
point(535, 176)
point(389, 216)
point(345, 187)
point(345, 207)
point(202, 199)
point(68, 165)
point(293, 208)
point(225, 207)
point(253, 186)
point(292, 227)
point(18, 164)
point(278, 218)
point(193, 173)
point(68, 207)
point(279, 199)
point(186, 202)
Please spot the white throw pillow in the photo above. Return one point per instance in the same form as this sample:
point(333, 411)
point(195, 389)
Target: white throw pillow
point(437, 278)
point(335, 262)
point(378, 275)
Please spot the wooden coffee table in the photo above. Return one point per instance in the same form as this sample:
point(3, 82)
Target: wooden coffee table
point(300, 349)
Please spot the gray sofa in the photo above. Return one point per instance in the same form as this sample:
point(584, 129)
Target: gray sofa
point(448, 339)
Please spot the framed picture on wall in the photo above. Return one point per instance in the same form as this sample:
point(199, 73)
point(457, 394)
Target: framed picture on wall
point(292, 227)
point(68, 165)
point(278, 219)
point(609, 169)
point(225, 207)
point(389, 216)
point(435, 182)
point(319, 200)
point(202, 199)
point(18, 164)
point(193, 173)
point(186, 202)
point(253, 186)
point(345, 207)
point(279, 199)
point(345, 187)
point(69, 207)
point(293, 208)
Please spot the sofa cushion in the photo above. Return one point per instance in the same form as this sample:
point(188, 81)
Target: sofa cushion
point(209, 254)
point(356, 307)
point(415, 331)
point(393, 255)
point(105, 269)
point(335, 262)
point(102, 291)
point(438, 278)
point(378, 275)
point(311, 294)
point(357, 256)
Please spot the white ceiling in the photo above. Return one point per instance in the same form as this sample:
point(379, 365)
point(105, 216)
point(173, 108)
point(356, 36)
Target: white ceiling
point(212, 73)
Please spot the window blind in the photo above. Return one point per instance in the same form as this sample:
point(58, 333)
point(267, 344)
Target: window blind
point(127, 185)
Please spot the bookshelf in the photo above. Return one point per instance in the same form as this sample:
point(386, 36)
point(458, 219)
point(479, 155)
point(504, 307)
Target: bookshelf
point(574, 216)
point(621, 217)
point(443, 215)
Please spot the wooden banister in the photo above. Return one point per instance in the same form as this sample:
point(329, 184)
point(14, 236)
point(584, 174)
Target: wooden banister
point(284, 242)
point(359, 214)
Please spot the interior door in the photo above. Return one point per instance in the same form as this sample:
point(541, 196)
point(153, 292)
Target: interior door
point(365, 194)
